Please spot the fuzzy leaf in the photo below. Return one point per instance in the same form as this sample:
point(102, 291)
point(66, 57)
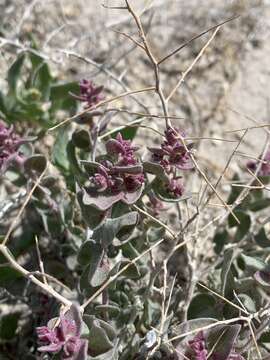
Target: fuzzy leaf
point(155, 169)
point(222, 340)
point(132, 272)
point(120, 227)
point(202, 305)
point(8, 326)
point(101, 335)
point(104, 201)
point(261, 238)
point(14, 73)
point(253, 263)
point(243, 227)
point(227, 262)
point(259, 204)
point(132, 169)
point(93, 254)
point(82, 140)
point(59, 154)
point(130, 198)
point(35, 164)
point(91, 167)
point(92, 216)
point(100, 201)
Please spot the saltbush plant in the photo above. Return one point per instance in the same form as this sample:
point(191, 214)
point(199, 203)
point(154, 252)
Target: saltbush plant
point(92, 265)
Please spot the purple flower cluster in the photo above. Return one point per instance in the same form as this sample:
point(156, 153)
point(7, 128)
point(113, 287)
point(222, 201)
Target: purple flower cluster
point(199, 350)
point(173, 155)
point(124, 173)
point(9, 147)
point(265, 166)
point(63, 338)
point(89, 93)
point(198, 347)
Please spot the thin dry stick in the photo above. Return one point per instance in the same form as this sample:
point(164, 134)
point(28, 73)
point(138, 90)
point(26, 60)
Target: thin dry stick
point(146, 115)
point(165, 308)
point(248, 128)
point(102, 68)
point(159, 91)
point(41, 265)
point(227, 165)
point(14, 223)
point(104, 102)
point(48, 289)
point(195, 38)
point(213, 188)
point(209, 138)
point(50, 277)
point(184, 75)
point(220, 218)
point(248, 118)
point(223, 298)
point(210, 326)
point(152, 60)
point(155, 220)
point(113, 278)
point(130, 38)
point(132, 124)
point(254, 339)
point(163, 305)
point(119, 128)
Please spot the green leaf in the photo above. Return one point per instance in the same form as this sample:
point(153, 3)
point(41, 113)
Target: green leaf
point(101, 335)
point(155, 169)
point(7, 275)
point(155, 233)
point(59, 154)
point(52, 223)
point(227, 262)
point(220, 239)
point(42, 80)
point(222, 339)
point(259, 204)
point(8, 326)
point(248, 303)
point(82, 140)
point(3, 105)
point(61, 91)
point(120, 227)
point(253, 263)
point(202, 306)
point(112, 310)
point(129, 132)
point(73, 161)
point(61, 99)
point(88, 251)
point(132, 272)
point(261, 238)
point(91, 215)
point(35, 164)
point(243, 227)
point(98, 270)
point(235, 192)
point(14, 73)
